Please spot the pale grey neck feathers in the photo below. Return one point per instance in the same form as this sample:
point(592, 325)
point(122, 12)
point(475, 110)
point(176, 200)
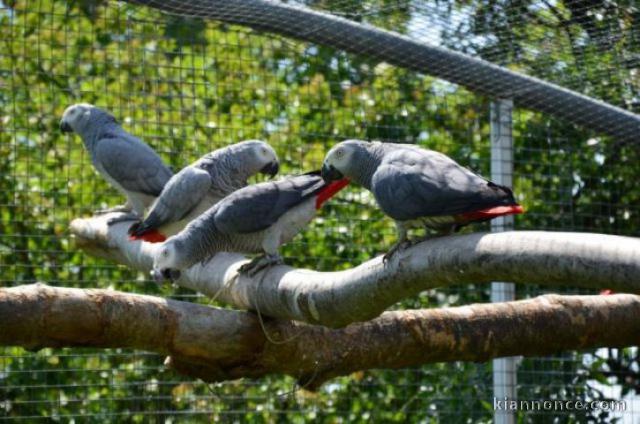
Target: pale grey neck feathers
point(367, 158)
point(199, 240)
point(97, 127)
point(229, 169)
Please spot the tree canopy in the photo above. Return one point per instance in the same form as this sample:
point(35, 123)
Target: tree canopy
point(187, 86)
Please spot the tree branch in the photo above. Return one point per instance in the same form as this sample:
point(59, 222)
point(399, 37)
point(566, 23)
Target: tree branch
point(217, 344)
point(336, 299)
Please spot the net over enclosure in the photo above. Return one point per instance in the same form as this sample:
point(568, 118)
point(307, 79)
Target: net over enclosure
point(191, 76)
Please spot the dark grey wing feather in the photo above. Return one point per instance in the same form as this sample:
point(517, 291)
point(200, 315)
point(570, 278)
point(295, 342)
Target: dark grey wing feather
point(413, 183)
point(256, 207)
point(133, 164)
point(183, 192)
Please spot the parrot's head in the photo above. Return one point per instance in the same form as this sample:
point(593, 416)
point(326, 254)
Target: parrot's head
point(343, 160)
point(168, 261)
point(80, 116)
point(261, 158)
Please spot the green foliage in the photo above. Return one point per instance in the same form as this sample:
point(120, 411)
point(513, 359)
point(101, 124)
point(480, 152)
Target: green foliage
point(188, 86)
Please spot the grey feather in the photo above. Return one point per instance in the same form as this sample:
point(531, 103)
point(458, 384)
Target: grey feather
point(181, 194)
point(131, 163)
point(254, 219)
point(411, 183)
point(257, 207)
point(203, 183)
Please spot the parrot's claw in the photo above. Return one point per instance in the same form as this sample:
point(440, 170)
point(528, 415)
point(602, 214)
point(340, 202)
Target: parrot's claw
point(123, 217)
point(397, 247)
point(259, 263)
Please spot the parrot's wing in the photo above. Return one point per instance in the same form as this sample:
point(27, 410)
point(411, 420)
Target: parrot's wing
point(412, 183)
point(132, 164)
point(180, 195)
point(257, 207)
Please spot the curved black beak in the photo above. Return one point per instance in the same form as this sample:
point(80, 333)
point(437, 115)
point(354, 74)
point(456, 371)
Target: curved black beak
point(171, 274)
point(271, 169)
point(65, 127)
point(160, 275)
point(329, 173)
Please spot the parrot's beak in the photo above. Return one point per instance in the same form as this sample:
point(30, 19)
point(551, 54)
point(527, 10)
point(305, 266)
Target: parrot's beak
point(330, 173)
point(271, 169)
point(156, 275)
point(165, 274)
point(173, 274)
point(65, 127)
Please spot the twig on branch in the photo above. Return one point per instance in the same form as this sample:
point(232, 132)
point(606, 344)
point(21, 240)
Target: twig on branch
point(336, 299)
point(217, 344)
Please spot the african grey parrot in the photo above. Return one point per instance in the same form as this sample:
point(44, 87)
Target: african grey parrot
point(257, 218)
point(127, 163)
point(418, 187)
point(202, 184)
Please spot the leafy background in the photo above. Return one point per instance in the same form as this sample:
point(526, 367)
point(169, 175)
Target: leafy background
point(187, 86)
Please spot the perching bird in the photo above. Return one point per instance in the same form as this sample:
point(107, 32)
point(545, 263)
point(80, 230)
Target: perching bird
point(254, 219)
point(202, 184)
point(418, 187)
point(127, 163)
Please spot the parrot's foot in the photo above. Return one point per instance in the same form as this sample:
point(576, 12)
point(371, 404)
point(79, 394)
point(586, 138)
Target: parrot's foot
point(124, 217)
point(397, 247)
point(120, 208)
point(260, 263)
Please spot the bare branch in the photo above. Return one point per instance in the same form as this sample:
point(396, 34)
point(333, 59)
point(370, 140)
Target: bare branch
point(336, 299)
point(216, 344)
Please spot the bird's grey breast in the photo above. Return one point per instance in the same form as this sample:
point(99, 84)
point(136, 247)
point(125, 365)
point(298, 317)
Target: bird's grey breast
point(405, 184)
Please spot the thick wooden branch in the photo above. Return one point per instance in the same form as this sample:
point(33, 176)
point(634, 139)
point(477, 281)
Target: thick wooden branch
point(336, 299)
point(216, 344)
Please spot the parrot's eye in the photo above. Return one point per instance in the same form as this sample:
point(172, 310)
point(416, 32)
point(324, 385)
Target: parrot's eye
point(165, 253)
point(339, 153)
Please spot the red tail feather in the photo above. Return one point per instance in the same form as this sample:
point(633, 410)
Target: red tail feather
point(491, 213)
point(329, 190)
point(151, 236)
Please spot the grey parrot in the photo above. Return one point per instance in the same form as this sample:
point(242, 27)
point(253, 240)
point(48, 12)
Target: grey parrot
point(202, 184)
point(254, 219)
point(127, 163)
point(418, 187)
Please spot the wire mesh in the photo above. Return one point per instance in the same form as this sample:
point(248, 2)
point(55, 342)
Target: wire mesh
point(187, 85)
point(400, 50)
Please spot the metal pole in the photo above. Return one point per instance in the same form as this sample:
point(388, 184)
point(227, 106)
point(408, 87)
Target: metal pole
point(504, 369)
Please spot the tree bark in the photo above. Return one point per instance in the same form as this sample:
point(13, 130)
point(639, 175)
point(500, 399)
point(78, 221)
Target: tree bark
point(336, 299)
point(217, 344)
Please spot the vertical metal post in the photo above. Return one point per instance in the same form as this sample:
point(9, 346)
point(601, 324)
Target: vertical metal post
point(504, 369)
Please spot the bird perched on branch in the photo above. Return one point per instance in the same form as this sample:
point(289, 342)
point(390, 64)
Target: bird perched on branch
point(126, 162)
point(418, 187)
point(202, 184)
point(254, 219)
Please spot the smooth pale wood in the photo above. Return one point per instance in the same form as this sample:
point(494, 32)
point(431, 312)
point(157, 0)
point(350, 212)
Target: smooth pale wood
point(335, 299)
